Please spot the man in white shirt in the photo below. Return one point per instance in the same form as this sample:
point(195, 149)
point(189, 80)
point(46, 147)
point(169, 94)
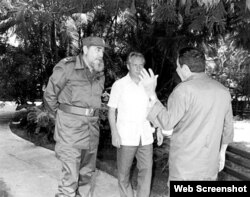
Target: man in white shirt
point(132, 133)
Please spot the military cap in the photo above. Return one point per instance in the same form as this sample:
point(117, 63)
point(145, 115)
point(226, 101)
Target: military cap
point(94, 41)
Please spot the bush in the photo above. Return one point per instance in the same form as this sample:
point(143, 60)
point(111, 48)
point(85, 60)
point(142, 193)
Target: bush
point(37, 121)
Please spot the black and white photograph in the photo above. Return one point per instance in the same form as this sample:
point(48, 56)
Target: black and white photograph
point(124, 98)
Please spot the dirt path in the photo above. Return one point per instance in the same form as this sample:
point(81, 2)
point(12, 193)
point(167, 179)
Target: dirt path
point(27, 170)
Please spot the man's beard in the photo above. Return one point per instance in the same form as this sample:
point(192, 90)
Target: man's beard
point(97, 65)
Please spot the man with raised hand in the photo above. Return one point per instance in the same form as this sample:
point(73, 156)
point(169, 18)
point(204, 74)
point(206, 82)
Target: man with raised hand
point(199, 111)
point(132, 133)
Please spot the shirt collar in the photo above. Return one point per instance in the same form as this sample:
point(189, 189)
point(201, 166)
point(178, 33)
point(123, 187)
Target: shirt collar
point(80, 64)
point(130, 80)
point(197, 76)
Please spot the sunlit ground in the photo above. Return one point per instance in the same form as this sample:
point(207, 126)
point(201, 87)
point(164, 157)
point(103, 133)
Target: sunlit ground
point(7, 110)
point(242, 132)
point(9, 106)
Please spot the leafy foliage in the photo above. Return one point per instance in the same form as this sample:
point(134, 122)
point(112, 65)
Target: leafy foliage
point(230, 65)
point(51, 30)
point(17, 77)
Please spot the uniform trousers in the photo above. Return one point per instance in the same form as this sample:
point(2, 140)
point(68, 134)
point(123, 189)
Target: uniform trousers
point(144, 157)
point(78, 167)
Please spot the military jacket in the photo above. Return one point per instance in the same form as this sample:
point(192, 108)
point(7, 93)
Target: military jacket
point(73, 84)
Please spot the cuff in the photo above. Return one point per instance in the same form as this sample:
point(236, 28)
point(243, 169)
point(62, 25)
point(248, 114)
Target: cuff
point(154, 111)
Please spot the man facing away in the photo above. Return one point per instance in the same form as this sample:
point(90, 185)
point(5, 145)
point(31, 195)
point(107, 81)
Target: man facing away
point(73, 94)
point(131, 132)
point(199, 109)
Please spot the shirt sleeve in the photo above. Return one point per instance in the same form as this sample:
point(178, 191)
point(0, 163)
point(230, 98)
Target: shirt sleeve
point(55, 85)
point(167, 117)
point(228, 129)
point(114, 95)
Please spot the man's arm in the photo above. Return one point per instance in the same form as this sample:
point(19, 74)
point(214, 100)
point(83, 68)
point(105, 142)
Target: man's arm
point(167, 117)
point(55, 85)
point(159, 115)
point(227, 135)
point(116, 139)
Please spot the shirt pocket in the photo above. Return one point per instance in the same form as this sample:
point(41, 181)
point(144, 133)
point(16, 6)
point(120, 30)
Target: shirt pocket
point(97, 88)
point(80, 89)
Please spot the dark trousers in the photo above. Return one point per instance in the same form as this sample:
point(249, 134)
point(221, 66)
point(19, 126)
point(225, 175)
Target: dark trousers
point(144, 157)
point(78, 167)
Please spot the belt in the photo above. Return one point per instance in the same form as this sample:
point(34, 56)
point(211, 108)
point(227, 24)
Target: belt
point(78, 110)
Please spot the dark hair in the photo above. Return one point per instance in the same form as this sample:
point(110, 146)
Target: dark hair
point(193, 58)
point(135, 54)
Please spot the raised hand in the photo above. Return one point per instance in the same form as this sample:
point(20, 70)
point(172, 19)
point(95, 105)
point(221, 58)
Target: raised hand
point(149, 81)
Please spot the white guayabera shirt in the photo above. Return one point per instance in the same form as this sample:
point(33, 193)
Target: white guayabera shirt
point(131, 102)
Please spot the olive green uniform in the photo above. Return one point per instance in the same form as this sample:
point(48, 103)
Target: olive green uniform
point(71, 94)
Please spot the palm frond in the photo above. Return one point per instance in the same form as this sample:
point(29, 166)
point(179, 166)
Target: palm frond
point(166, 13)
point(10, 14)
point(71, 36)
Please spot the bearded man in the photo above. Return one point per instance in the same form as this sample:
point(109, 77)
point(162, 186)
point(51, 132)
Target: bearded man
point(73, 95)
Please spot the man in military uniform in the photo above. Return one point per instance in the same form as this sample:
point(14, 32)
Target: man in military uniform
point(73, 95)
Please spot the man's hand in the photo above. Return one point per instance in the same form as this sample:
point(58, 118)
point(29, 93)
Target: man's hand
point(222, 156)
point(159, 136)
point(149, 82)
point(116, 139)
point(222, 162)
